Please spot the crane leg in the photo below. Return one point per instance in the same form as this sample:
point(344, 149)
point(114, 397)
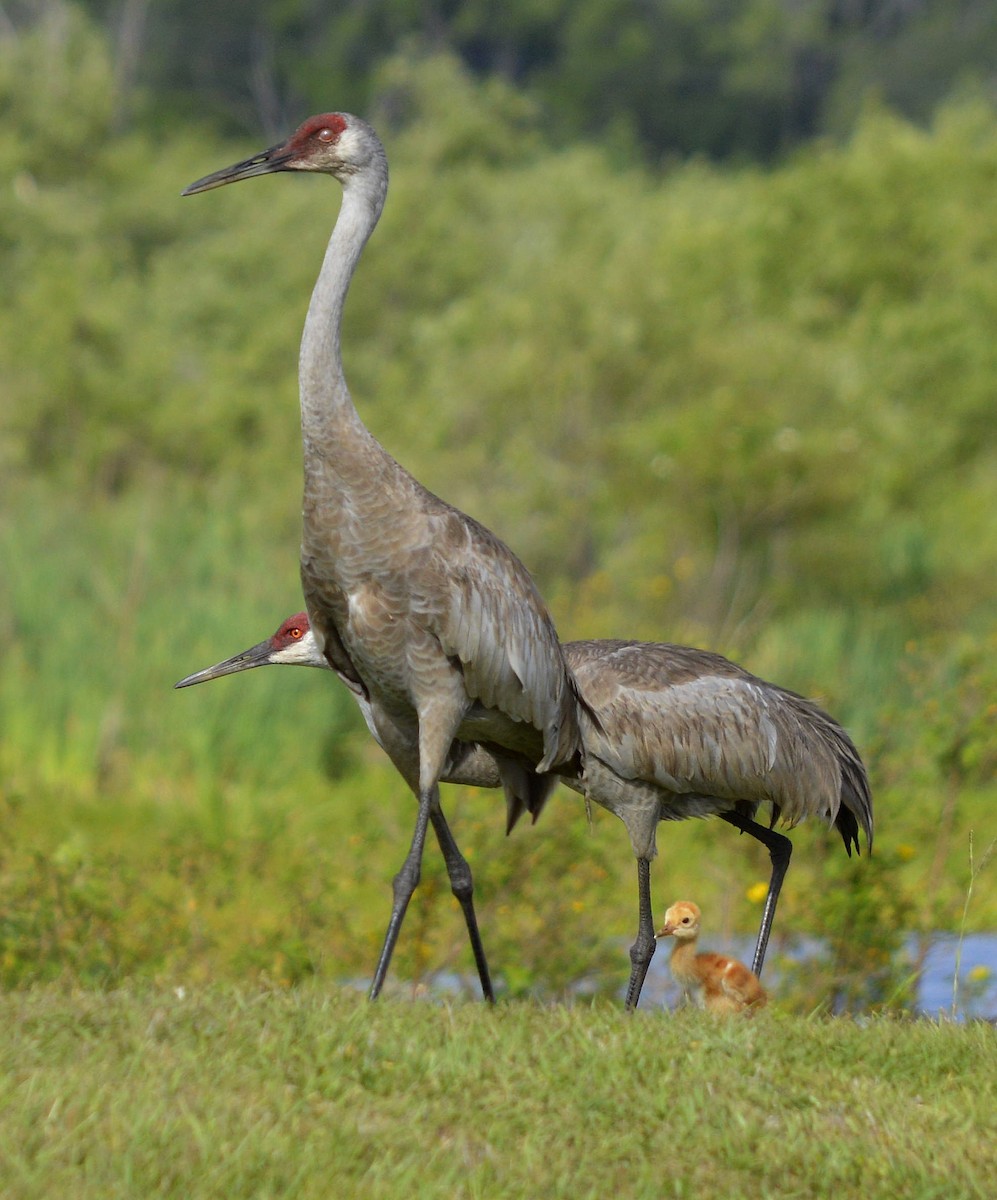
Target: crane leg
point(462, 886)
point(780, 850)
point(642, 951)
point(404, 884)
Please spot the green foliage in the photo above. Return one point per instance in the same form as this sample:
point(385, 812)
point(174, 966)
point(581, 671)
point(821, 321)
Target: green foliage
point(56, 117)
point(199, 1093)
point(762, 356)
point(448, 119)
point(953, 687)
point(748, 409)
point(860, 916)
point(727, 78)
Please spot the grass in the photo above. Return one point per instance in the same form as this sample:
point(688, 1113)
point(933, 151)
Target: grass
point(312, 1092)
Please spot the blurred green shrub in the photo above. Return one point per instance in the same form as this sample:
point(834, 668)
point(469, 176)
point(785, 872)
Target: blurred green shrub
point(858, 917)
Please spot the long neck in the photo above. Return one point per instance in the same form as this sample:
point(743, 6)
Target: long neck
point(326, 407)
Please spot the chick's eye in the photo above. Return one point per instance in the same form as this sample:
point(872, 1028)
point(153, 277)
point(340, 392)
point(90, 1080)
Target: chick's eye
point(685, 920)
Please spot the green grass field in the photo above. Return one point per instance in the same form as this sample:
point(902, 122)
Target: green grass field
point(315, 1093)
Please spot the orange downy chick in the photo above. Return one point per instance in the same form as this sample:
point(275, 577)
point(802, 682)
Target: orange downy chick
point(720, 984)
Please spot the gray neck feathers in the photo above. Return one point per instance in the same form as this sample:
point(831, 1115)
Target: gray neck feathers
point(325, 398)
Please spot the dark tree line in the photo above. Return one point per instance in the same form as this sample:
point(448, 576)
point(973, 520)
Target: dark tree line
point(743, 79)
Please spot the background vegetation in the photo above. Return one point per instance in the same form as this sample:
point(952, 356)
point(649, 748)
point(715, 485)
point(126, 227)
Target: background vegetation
point(744, 406)
point(728, 78)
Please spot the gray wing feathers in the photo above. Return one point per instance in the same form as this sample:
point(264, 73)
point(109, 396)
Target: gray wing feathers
point(698, 725)
point(708, 737)
point(496, 624)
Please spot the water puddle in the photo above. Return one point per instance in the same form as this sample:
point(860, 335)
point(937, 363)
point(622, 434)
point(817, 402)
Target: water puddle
point(976, 995)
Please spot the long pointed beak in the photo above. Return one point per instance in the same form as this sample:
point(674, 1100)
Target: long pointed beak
point(265, 163)
point(258, 656)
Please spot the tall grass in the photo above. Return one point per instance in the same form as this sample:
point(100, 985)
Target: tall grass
point(106, 604)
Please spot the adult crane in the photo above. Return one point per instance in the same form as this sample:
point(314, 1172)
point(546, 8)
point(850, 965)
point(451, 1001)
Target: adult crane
point(670, 732)
point(427, 615)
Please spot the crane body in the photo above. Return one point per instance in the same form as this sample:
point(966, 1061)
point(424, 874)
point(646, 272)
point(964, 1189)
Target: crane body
point(427, 616)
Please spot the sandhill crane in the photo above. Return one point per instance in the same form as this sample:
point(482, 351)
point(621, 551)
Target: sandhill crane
point(720, 984)
point(670, 732)
point(428, 615)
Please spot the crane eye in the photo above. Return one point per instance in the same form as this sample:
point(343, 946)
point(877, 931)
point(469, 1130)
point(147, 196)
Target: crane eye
point(326, 134)
point(294, 633)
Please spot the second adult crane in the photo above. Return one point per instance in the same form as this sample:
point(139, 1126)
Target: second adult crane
point(670, 732)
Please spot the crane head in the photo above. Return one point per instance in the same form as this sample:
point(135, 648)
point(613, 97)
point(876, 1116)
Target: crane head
point(293, 643)
point(681, 921)
point(334, 143)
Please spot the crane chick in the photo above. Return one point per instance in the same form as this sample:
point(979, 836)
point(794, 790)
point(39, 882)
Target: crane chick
point(718, 983)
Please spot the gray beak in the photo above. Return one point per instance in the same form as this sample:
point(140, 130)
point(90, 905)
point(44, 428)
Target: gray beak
point(258, 656)
point(265, 163)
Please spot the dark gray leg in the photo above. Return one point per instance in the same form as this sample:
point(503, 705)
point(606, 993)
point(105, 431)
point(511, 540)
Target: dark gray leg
point(462, 886)
point(405, 883)
point(780, 850)
point(642, 951)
